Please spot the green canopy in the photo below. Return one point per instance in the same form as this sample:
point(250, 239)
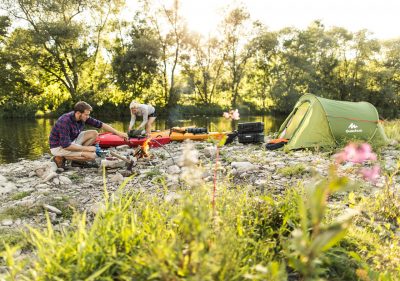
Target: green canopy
point(320, 122)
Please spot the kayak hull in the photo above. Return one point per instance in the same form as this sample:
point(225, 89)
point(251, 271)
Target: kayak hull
point(106, 140)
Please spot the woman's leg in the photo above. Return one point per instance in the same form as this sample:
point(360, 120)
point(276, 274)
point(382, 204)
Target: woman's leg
point(149, 124)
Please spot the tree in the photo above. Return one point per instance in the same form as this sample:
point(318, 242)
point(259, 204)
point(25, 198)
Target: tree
point(61, 36)
point(237, 33)
point(260, 76)
point(203, 66)
point(16, 91)
point(171, 30)
point(135, 63)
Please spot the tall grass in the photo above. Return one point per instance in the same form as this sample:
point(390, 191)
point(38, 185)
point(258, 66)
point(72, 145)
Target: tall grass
point(392, 129)
point(141, 237)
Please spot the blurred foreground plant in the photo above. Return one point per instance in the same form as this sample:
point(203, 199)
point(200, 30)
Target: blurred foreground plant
point(314, 237)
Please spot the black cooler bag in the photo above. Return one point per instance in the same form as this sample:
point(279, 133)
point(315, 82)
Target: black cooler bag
point(251, 137)
point(251, 127)
point(251, 132)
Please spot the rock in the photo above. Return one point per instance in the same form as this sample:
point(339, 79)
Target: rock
point(171, 161)
point(64, 180)
point(51, 175)
point(53, 217)
point(122, 147)
point(56, 181)
point(260, 182)
point(19, 169)
point(172, 196)
point(52, 209)
point(210, 151)
point(174, 169)
point(42, 185)
point(243, 166)
point(40, 172)
point(117, 178)
point(7, 222)
point(7, 187)
point(111, 164)
point(2, 179)
point(97, 208)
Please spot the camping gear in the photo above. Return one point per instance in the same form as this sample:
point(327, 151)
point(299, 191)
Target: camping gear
point(231, 137)
point(276, 143)
point(196, 131)
point(251, 127)
point(106, 140)
point(251, 132)
point(176, 136)
point(320, 122)
point(137, 134)
point(251, 137)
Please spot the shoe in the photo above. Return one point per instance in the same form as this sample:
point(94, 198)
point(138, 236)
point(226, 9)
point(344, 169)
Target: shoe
point(82, 164)
point(59, 160)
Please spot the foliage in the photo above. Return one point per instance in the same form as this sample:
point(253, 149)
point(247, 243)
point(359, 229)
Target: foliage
point(297, 169)
point(84, 51)
point(140, 236)
point(135, 64)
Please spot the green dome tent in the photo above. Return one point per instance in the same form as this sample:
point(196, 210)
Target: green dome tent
point(320, 122)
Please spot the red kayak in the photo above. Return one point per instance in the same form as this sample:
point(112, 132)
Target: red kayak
point(107, 140)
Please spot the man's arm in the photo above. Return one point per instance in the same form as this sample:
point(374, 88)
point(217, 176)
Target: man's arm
point(110, 129)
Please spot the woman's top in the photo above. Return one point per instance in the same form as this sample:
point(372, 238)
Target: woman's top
point(142, 110)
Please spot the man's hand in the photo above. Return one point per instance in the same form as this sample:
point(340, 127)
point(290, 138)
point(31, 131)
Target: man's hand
point(123, 135)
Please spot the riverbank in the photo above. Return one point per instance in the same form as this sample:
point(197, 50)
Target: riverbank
point(30, 189)
point(25, 189)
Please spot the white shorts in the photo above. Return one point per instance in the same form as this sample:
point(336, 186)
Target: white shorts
point(59, 151)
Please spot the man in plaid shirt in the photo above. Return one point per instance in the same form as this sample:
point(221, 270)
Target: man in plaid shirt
point(69, 141)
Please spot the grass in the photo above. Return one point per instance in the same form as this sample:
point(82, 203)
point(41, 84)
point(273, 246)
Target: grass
point(76, 178)
point(11, 237)
point(20, 195)
point(291, 171)
point(153, 173)
point(15, 212)
point(392, 129)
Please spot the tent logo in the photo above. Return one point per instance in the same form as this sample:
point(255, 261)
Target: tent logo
point(353, 128)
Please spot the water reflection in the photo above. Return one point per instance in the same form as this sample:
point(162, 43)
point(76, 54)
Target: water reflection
point(29, 138)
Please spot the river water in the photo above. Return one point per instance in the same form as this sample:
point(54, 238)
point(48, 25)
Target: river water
point(28, 139)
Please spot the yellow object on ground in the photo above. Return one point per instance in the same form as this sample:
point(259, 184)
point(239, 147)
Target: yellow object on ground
point(179, 136)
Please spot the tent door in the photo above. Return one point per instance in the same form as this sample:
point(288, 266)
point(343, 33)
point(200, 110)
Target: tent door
point(295, 120)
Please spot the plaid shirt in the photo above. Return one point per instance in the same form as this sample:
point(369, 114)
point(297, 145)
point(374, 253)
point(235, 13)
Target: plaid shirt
point(67, 129)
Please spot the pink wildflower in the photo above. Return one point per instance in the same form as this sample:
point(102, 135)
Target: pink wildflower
point(235, 115)
point(370, 174)
point(356, 153)
point(232, 114)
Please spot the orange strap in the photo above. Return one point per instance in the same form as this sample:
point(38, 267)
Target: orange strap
point(278, 140)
